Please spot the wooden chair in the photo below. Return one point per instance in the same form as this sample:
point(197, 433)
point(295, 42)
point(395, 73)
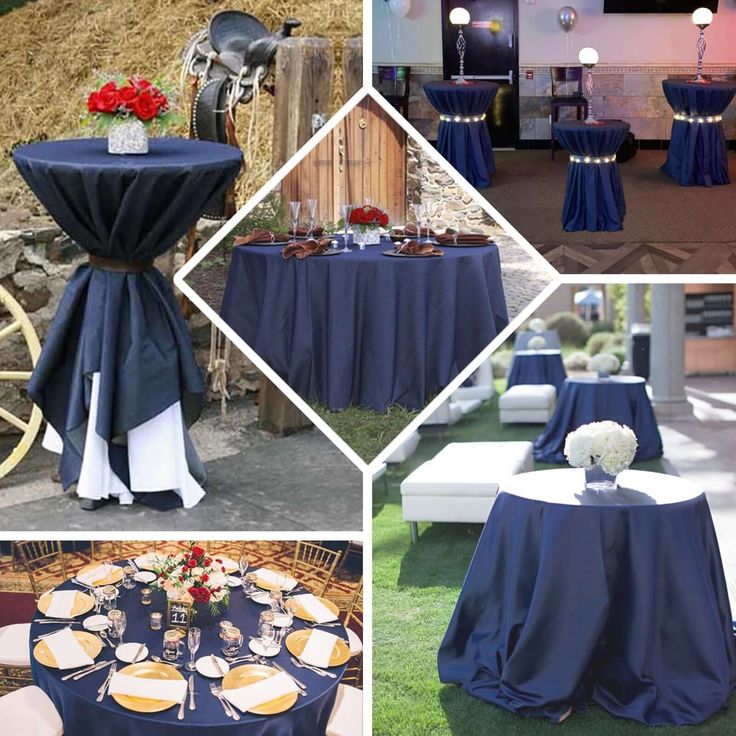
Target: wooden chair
point(44, 563)
point(314, 566)
point(353, 674)
point(233, 550)
point(569, 76)
point(106, 551)
point(396, 75)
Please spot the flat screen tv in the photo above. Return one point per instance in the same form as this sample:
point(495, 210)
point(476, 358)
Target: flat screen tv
point(657, 6)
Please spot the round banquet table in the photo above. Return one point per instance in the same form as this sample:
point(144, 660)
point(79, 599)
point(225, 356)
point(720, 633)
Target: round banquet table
point(466, 144)
point(537, 367)
point(621, 399)
point(117, 380)
point(84, 716)
point(574, 595)
point(697, 153)
point(363, 328)
point(594, 196)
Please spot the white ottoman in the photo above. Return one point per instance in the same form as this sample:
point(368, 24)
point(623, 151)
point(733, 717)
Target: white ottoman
point(447, 414)
point(527, 404)
point(404, 451)
point(460, 482)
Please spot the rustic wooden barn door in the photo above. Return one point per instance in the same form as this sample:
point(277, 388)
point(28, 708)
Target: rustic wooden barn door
point(363, 157)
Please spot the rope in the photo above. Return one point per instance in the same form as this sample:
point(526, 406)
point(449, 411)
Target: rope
point(218, 366)
point(249, 145)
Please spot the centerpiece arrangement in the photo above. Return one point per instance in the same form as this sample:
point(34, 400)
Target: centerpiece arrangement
point(367, 222)
point(604, 364)
point(603, 449)
point(537, 343)
point(125, 110)
point(537, 325)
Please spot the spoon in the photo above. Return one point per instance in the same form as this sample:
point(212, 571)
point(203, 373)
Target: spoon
point(163, 661)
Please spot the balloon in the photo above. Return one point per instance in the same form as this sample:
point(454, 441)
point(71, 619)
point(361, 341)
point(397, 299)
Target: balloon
point(400, 7)
point(567, 17)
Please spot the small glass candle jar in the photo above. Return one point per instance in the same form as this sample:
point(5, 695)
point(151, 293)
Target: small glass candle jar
point(249, 583)
point(224, 625)
point(155, 620)
point(232, 641)
point(110, 593)
point(146, 596)
point(113, 616)
point(275, 596)
point(129, 577)
point(172, 645)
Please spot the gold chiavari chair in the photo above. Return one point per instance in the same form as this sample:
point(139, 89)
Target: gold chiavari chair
point(314, 565)
point(44, 563)
point(105, 551)
point(354, 671)
point(233, 550)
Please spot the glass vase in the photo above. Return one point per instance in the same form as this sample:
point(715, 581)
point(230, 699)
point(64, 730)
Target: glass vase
point(127, 137)
point(596, 479)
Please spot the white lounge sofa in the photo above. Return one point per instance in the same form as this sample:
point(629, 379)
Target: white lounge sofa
point(402, 453)
point(527, 404)
point(447, 414)
point(482, 385)
point(460, 483)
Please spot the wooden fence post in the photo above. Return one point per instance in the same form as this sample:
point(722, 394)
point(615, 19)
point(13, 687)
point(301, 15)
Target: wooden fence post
point(352, 66)
point(276, 414)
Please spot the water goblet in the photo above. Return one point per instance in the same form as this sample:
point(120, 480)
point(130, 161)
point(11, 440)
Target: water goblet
point(120, 624)
point(193, 638)
point(430, 209)
point(312, 214)
point(345, 211)
point(419, 212)
point(243, 564)
point(294, 212)
point(99, 595)
point(267, 635)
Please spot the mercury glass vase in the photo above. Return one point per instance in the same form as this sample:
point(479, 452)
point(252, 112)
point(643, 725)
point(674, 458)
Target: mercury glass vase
point(369, 236)
point(127, 137)
point(596, 479)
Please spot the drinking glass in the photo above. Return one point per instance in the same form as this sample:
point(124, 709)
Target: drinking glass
point(312, 214)
point(110, 593)
point(430, 209)
point(99, 594)
point(419, 212)
point(345, 211)
point(129, 577)
point(249, 583)
point(243, 564)
point(275, 597)
point(294, 212)
point(267, 635)
point(193, 638)
point(119, 625)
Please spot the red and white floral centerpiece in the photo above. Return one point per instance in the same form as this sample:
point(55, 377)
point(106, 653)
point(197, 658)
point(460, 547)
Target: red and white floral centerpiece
point(367, 222)
point(125, 109)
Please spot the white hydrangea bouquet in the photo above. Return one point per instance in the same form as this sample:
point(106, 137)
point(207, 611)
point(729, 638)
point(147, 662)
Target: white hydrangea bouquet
point(604, 364)
point(605, 445)
point(537, 325)
point(537, 343)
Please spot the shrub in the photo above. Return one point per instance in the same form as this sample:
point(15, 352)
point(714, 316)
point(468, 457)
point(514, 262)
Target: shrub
point(501, 361)
point(572, 329)
point(577, 361)
point(602, 326)
point(606, 342)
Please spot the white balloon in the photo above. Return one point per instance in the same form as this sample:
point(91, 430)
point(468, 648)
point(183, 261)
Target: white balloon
point(400, 7)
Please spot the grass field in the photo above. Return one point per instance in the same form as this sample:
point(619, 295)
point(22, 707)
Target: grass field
point(414, 593)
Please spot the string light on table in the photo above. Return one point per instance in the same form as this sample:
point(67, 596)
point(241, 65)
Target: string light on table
point(698, 118)
point(463, 118)
point(592, 159)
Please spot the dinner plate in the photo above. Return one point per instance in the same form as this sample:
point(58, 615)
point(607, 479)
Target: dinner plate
point(147, 561)
point(234, 582)
point(261, 598)
point(114, 577)
point(297, 640)
point(126, 652)
point(89, 642)
point(272, 586)
point(96, 623)
point(301, 612)
point(230, 565)
point(207, 669)
point(464, 245)
point(394, 254)
point(330, 252)
point(149, 671)
point(144, 576)
point(257, 647)
point(248, 674)
point(83, 603)
point(266, 242)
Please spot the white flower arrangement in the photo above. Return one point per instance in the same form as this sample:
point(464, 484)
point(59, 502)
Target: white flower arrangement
point(537, 325)
point(607, 444)
point(537, 343)
point(604, 363)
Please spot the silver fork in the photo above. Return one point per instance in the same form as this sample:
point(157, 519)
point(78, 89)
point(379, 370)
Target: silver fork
point(103, 689)
point(317, 670)
point(217, 692)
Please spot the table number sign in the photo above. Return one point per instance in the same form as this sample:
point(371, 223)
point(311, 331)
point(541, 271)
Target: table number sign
point(178, 615)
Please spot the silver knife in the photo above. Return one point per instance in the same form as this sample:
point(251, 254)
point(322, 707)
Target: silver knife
point(101, 692)
point(192, 704)
point(216, 665)
point(85, 669)
point(298, 683)
point(101, 666)
point(138, 653)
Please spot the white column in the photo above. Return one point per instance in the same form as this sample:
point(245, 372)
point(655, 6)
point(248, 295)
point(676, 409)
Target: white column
point(634, 314)
point(667, 360)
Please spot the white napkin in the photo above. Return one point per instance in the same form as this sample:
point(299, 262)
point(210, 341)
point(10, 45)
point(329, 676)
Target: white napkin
point(66, 650)
point(315, 608)
point(251, 696)
point(285, 582)
point(151, 689)
point(98, 573)
point(318, 649)
point(61, 604)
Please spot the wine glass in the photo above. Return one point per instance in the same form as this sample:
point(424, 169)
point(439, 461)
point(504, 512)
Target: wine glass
point(345, 211)
point(243, 563)
point(193, 638)
point(119, 624)
point(430, 208)
point(419, 213)
point(294, 212)
point(312, 214)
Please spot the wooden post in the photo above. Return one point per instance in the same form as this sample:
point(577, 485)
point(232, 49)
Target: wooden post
point(352, 66)
point(276, 414)
point(303, 88)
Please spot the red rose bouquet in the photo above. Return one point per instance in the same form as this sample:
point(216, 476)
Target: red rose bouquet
point(367, 218)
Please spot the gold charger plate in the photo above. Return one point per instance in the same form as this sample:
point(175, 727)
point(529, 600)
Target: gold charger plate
point(91, 644)
point(248, 674)
point(83, 602)
point(304, 615)
point(297, 640)
point(115, 577)
point(147, 671)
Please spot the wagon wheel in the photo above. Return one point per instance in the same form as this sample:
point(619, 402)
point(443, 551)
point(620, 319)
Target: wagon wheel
point(19, 322)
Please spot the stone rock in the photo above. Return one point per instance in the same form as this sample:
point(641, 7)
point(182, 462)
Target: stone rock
point(33, 292)
point(11, 247)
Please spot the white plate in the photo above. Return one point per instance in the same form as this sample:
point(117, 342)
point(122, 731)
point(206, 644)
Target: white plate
point(257, 648)
point(234, 582)
point(144, 576)
point(262, 598)
point(282, 619)
point(126, 652)
point(207, 669)
point(96, 623)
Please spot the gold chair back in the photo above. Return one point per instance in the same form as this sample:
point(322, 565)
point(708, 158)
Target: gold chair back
point(44, 563)
point(314, 565)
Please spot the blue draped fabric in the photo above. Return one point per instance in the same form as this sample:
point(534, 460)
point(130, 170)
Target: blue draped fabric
point(83, 716)
point(467, 146)
point(127, 326)
point(363, 328)
point(594, 197)
point(537, 367)
point(621, 399)
point(622, 604)
point(698, 154)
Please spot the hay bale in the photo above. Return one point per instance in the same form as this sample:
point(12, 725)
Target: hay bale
point(53, 48)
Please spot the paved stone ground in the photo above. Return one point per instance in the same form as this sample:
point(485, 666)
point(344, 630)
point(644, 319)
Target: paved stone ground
point(256, 483)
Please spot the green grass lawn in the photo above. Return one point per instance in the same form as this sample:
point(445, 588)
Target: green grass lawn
point(415, 588)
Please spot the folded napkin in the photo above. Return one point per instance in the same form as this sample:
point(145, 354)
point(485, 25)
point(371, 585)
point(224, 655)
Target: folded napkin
point(66, 650)
point(276, 578)
point(414, 248)
point(149, 688)
point(315, 608)
point(464, 238)
point(98, 573)
point(305, 248)
point(318, 649)
point(261, 235)
point(251, 696)
point(61, 604)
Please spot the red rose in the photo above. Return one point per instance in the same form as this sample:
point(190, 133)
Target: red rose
point(197, 552)
point(139, 83)
point(92, 102)
point(181, 578)
point(107, 98)
point(200, 595)
point(145, 108)
point(383, 220)
point(223, 569)
point(205, 577)
point(126, 95)
point(162, 102)
point(217, 559)
point(192, 563)
point(208, 561)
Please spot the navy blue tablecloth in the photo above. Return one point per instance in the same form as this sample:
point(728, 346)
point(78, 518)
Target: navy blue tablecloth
point(697, 154)
point(537, 367)
point(363, 328)
point(594, 197)
point(620, 399)
point(621, 602)
point(126, 326)
point(83, 716)
point(466, 145)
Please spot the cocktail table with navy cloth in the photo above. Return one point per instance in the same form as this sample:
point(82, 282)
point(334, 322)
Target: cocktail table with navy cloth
point(697, 153)
point(551, 337)
point(537, 367)
point(621, 399)
point(464, 142)
point(594, 196)
point(575, 595)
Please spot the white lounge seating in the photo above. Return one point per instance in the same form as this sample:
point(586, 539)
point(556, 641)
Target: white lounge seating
point(14, 647)
point(527, 404)
point(467, 405)
point(447, 414)
point(402, 453)
point(460, 482)
point(354, 642)
point(482, 387)
point(346, 718)
point(30, 712)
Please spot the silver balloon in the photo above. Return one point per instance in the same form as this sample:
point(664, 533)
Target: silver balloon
point(568, 17)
